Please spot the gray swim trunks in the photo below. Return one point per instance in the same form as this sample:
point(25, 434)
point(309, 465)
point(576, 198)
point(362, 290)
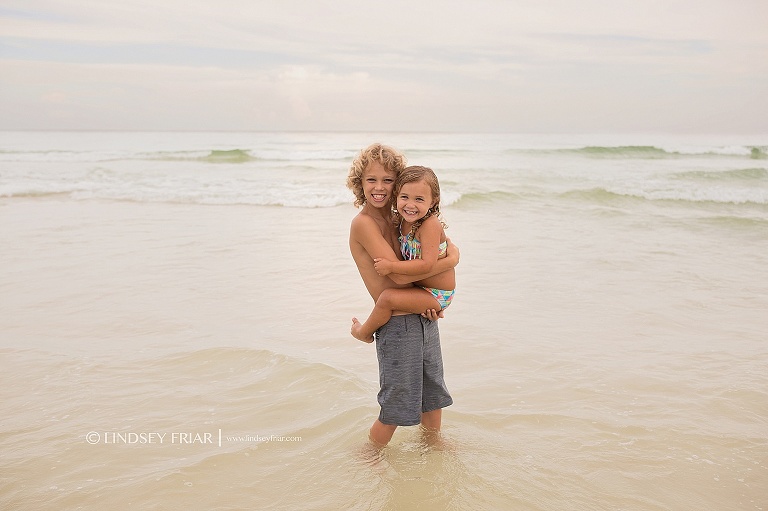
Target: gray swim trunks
point(410, 370)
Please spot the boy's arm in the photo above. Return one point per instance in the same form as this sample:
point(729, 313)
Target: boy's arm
point(451, 260)
point(429, 233)
point(366, 233)
point(414, 267)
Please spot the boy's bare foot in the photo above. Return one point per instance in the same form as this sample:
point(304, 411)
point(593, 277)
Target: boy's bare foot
point(432, 437)
point(357, 334)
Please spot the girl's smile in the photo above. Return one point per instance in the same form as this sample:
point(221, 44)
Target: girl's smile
point(414, 200)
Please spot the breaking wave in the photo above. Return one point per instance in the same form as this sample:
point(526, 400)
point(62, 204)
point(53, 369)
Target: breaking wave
point(690, 196)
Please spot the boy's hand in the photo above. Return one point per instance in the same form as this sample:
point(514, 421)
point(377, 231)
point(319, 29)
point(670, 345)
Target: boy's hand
point(453, 252)
point(433, 315)
point(382, 266)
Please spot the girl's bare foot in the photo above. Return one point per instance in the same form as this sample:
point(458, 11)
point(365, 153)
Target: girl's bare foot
point(356, 331)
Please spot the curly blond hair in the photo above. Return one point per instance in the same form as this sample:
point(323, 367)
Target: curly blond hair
point(389, 157)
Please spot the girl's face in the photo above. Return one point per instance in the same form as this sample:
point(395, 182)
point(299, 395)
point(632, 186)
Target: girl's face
point(414, 200)
point(378, 183)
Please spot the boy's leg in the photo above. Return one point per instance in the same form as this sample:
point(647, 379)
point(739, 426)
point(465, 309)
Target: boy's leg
point(380, 433)
point(398, 349)
point(430, 427)
point(435, 394)
point(432, 420)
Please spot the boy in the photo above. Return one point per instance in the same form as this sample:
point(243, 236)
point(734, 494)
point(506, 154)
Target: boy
point(412, 389)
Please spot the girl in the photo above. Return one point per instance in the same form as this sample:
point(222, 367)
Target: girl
point(422, 243)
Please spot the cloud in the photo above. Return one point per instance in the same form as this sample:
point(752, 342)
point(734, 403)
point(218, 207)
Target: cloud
point(54, 97)
point(494, 65)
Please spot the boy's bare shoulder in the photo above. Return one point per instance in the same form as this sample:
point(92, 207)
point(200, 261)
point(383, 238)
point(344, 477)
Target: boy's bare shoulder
point(362, 223)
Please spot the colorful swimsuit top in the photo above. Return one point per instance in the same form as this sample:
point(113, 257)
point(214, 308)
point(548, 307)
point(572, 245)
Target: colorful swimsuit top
point(411, 247)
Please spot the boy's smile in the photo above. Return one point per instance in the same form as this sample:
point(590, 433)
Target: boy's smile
point(378, 183)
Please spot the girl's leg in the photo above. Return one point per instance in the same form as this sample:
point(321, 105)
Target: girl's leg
point(411, 299)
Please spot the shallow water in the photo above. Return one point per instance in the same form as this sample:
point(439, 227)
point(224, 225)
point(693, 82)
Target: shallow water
point(605, 350)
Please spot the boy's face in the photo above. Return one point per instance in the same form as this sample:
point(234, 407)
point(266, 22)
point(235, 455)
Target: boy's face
point(378, 183)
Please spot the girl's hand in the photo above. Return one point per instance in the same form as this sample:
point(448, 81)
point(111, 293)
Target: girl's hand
point(382, 266)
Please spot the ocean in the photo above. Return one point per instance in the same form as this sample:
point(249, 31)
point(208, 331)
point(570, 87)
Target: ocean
point(176, 309)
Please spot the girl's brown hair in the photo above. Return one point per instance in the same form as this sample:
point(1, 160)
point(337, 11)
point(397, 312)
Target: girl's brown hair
point(419, 173)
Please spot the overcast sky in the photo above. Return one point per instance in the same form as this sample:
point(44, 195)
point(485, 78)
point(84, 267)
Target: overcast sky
point(403, 65)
